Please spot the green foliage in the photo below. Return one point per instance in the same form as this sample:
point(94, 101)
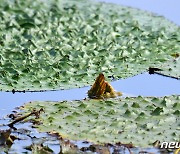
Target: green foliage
point(171, 68)
point(59, 44)
point(110, 121)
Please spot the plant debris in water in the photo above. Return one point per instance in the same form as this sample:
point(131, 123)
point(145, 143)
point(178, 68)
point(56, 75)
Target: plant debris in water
point(60, 44)
point(6, 138)
point(36, 148)
point(21, 118)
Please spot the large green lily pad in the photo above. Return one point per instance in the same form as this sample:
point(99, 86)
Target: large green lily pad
point(139, 120)
point(60, 44)
point(170, 68)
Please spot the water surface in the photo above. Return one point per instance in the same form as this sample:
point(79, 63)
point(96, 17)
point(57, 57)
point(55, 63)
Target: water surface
point(143, 84)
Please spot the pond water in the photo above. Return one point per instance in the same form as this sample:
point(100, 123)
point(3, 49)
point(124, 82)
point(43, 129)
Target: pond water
point(143, 84)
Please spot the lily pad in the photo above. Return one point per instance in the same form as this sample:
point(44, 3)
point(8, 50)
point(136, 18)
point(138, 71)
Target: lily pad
point(109, 121)
point(170, 68)
point(60, 44)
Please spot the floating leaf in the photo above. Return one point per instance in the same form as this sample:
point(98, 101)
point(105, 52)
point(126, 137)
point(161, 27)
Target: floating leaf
point(64, 44)
point(157, 111)
point(170, 68)
point(100, 121)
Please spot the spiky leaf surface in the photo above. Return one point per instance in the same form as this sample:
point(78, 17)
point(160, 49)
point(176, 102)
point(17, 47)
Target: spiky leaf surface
point(171, 68)
point(61, 44)
point(139, 120)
